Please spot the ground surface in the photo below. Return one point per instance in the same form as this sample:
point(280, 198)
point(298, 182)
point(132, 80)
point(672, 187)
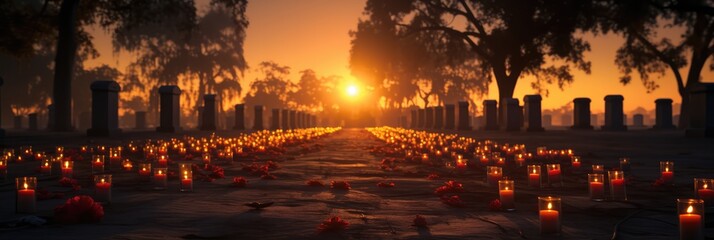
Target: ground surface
point(215, 210)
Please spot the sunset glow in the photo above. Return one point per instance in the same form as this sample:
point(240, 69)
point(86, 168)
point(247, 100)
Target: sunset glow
point(352, 90)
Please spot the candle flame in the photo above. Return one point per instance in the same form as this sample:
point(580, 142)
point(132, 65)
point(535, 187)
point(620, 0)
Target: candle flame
point(595, 179)
point(143, 169)
point(66, 164)
point(46, 164)
point(25, 186)
point(102, 180)
point(506, 188)
point(550, 206)
point(534, 171)
point(690, 209)
point(705, 186)
point(159, 172)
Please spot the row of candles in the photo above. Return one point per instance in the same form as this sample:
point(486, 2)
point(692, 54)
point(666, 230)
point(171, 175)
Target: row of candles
point(222, 148)
point(691, 211)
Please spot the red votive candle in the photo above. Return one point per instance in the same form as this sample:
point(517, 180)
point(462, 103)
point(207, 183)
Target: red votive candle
point(534, 175)
point(160, 179)
point(549, 215)
point(26, 202)
point(103, 188)
point(617, 185)
point(667, 169)
point(691, 218)
point(506, 194)
point(596, 186)
point(554, 176)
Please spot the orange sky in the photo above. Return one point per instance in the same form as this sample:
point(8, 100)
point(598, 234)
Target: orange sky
point(314, 34)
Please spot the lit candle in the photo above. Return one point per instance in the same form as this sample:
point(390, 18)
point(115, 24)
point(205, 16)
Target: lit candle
point(97, 164)
point(160, 178)
point(549, 215)
point(501, 161)
point(67, 169)
point(625, 164)
point(506, 194)
point(597, 187)
point(484, 160)
point(114, 158)
point(206, 157)
point(163, 161)
point(534, 175)
point(26, 201)
point(617, 185)
point(690, 218)
point(46, 167)
point(103, 188)
point(575, 162)
point(554, 176)
point(703, 189)
point(520, 159)
point(460, 162)
point(598, 168)
point(145, 171)
point(186, 181)
point(3, 166)
point(667, 169)
point(127, 165)
point(494, 175)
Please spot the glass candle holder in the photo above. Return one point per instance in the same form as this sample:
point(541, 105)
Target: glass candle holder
point(145, 171)
point(625, 164)
point(555, 178)
point(186, 180)
point(500, 161)
point(461, 163)
point(114, 158)
point(84, 149)
point(206, 158)
point(9, 153)
point(704, 189)
point(520, 159)
point(541, 151)
point(97, 164)
point(493, 175)
point(127, 165)
point(67, 166)
point(162, 161)
point(46, 167)
point(691, 218)
point(575, 162)
point(39, 155)
point(534, 175)
point(25, 198)
point(484, 160)
point(163, 150)
point(3, 168)
point(103, 188)
point(59, 149)
point(26, 151)
point(160, 178)
point(617, 185)
point(506, 194)
point(598, 168)
point(667, 172)
point(596, 186)
point(549, 214)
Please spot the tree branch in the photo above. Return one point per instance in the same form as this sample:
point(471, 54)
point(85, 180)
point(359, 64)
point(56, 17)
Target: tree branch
point(662, 57)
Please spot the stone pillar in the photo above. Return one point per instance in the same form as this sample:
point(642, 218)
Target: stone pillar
point(450, 118)
point(413, 119)
point(50, 116)
point(638, 120)
point(275, 119)
point(490, 115)
point(532, 113)
point(421, 122)
point(510, 108)
point(105, 108)
point(438, 117)
point(581, 114)
point(663, 114)
point(239, 117)
point(614, 119)
point(32, 121)
point(293, 119)
point(208, 120)
point(547, 120)
point(85, 120)
point(284, 124)
point(403, 121)
point(258, 118)
point(140, 119)
point(701, 111)
point(429, 118)
point(2, 131)
point(17, 122)
point(464, 116)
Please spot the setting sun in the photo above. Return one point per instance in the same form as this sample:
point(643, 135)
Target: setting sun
point(352, 90)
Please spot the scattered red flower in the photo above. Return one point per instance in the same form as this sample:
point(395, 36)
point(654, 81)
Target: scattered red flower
point(240, 182)
point(433, 176)
point(658, 183)
point(333, 224)
point(79, 209)
point(420, 221)
point(68, 182)
point(450, 187)
point(454, 201)
point(340, 185)
point(315, 183)
point(268, 176)
point(385, 185)
point(495, 205)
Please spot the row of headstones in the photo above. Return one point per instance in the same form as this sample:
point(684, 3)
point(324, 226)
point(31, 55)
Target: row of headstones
point(638, 120)
point(514, 117)
point(105, 107)
point(441, 117)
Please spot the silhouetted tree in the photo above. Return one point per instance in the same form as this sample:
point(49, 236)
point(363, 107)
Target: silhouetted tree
point(272, 89)
point(648, 51)
point(510, 38)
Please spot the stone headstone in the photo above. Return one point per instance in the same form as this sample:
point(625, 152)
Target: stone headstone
point(490, 115)
point(85, 120)
point(547, 120)
point(624, 119)
point(614, 115)
point(50, 116)
point(532, 113)
point(17, 122)
point(208, 118)
point(275, 119)
point(429, 118)
point(403, 121)
point(463, 124)
point(450, 118)
point(293, 119)
point(581, 114)
point(413, 119)
point(32, 121)
point(421, 121)
point(438, 117)
point(594, 119)
point(566, 120)
point(229, 120)
point(284, 123)
point(701, 111)
point(105, 108)
point(140, 119)
point(638, 120)
point(258, 118)
point(510, 109)
point(239, 117)
point(663, 114)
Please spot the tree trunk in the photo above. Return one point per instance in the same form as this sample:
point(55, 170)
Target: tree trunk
point(64, 65)
point(506, 86)
point(695, 70)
